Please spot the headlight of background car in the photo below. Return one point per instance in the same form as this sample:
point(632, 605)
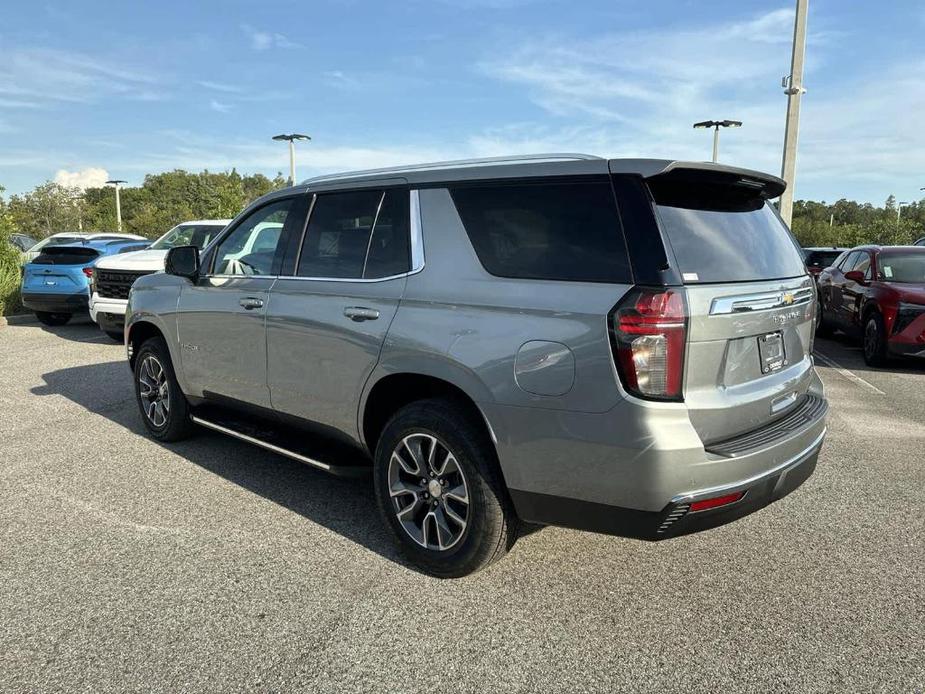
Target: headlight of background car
point(906, 314)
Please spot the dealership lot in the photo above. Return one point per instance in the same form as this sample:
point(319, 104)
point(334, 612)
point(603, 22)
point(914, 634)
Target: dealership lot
point(210, 564)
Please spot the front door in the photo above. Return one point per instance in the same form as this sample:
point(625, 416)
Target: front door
point(326, 324)
point(222, 316)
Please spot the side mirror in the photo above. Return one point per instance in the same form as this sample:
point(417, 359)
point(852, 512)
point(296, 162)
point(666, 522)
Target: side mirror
point(855, 276)
point(183, 261)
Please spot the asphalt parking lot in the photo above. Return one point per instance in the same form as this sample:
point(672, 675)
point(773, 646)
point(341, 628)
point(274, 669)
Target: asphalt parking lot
point(211, 565)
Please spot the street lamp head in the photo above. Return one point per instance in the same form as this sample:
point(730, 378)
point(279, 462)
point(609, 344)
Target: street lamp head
point(291, 137)
point(719, 124)
point(115, 182)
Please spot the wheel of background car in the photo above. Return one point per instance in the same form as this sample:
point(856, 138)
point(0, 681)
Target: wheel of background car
point(875, 347)
point(164, 408)
point(822, 328)
point(439, 488)
point(52, 319)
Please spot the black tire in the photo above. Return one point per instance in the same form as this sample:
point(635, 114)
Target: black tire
point(115, 335)
point(823, 329)
point(874, 341)
point(491, 527)
point(170, 423)
point(52, 319)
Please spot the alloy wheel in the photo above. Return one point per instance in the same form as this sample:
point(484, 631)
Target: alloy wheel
point(429, 492)
point(871, 338)
point(154, 390)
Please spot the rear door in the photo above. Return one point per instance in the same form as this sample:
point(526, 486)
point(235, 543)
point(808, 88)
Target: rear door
point(327, 321)
point(750, 300)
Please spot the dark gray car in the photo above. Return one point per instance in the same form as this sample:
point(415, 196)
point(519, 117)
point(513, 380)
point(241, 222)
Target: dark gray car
point(621, 346)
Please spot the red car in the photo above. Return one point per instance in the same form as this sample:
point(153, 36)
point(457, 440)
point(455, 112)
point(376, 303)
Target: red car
point(878, 294)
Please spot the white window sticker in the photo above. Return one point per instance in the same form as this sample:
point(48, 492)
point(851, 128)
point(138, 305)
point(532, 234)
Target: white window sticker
point(887, 271)
point(690, 277)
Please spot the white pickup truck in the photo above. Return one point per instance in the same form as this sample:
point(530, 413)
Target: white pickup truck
point(114, 275)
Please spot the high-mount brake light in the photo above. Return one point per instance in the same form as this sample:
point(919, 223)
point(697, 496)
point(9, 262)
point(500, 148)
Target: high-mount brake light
point(650, 334)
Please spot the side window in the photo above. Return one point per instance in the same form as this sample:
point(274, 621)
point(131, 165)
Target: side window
point(547, 230)
point(341, 242)
point(251, 246)
point(849, 261)
point(863, 263)
point(390, 248)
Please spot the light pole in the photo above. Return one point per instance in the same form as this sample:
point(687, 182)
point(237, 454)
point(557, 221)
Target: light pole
point(291, 140)
point(116, 183)
point(716, 125)
point(899, 209)
point(793, 88)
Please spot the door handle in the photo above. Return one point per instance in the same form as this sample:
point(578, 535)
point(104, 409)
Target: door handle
point(251, 302)
point(360, 313)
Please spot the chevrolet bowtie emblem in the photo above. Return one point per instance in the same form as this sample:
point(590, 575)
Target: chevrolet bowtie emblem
point(787, 298)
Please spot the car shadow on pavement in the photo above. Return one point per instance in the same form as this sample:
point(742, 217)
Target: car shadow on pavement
point(78, 329)
point(848, 353)
point(345, 506)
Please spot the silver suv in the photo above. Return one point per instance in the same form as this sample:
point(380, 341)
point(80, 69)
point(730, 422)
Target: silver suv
point(620, 346)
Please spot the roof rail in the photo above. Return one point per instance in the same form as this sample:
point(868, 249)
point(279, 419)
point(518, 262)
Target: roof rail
point(453, 164)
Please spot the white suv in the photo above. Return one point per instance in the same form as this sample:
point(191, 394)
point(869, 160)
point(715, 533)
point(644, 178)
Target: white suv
point(113, 276)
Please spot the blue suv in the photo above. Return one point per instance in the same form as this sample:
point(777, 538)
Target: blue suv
point(56, 284)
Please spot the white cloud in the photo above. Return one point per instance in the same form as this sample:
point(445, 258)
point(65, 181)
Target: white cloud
point(92, 177)
point(265, 40)
point(219, 106)
point(220, 87)
point(36, 77)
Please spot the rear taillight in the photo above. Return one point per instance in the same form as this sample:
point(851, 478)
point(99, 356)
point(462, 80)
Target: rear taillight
point(88, 271)
point(650, 333)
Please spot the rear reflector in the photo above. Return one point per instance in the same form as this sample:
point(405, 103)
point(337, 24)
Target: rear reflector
point(716, 502)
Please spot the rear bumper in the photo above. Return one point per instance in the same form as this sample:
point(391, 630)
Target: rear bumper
point(55, 303)
point(676, 518)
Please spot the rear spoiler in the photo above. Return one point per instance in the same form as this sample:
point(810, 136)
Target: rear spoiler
point(765, 185)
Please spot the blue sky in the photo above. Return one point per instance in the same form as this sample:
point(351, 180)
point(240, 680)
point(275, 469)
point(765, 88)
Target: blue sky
point(123, 89)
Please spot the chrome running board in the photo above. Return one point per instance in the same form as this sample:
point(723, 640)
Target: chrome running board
point(338, 470)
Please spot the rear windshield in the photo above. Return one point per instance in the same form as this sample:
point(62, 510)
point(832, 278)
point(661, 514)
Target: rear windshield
point(724, 233)
point(545, 230)
point(821, 258)
point(901, 267)
point(63, 255)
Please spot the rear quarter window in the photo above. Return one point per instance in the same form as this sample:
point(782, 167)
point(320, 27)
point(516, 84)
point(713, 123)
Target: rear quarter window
point(724, 233)
point(545, 230)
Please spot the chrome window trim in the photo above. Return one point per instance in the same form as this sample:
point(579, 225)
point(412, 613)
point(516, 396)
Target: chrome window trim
point(417, 233)
point(417, 249)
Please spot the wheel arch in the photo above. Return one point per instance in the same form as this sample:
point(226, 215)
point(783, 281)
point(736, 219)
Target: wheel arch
point(393, 390)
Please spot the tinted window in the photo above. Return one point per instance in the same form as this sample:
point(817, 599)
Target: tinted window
point(849, 261)
point(862, 264)
point(66, 255)
point(338, 234)
point(722, 232)
point(821, 259)
point(555, 231)
point(251, 246)
point(389, 249)
point(901, 267)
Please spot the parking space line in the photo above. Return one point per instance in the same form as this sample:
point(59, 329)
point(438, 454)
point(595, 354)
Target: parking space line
point(853, 377)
